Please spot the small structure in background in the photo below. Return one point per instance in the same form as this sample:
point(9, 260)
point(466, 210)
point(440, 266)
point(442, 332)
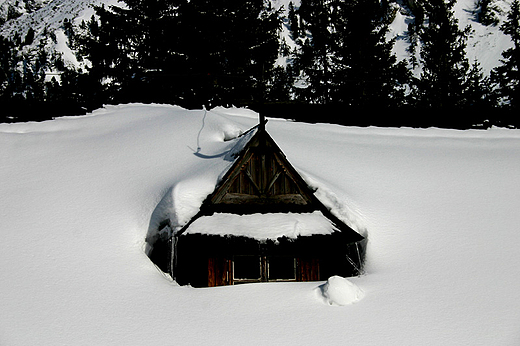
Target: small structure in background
point(262, 223)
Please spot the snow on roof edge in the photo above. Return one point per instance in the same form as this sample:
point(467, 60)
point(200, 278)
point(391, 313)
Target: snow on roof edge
point(270, 226)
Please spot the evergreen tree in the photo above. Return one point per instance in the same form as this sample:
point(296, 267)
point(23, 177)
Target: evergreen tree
point(415, 27)
point(22, 80)
point(478, 90)
point(368, 74)
point(153, 58)
point(10, 79)
point(279, 88)
point(232, 45)
point(507, 75)
point(446, 80)
point(7, 59)
point(316, 47)
point(344, 56)
point(293, 22)
point(487, 12)
point(190, 53)
point(35, 65)
point(29, 38)
point(110, 43)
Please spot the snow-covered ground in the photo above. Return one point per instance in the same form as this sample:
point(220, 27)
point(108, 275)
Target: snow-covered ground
point(77, 197)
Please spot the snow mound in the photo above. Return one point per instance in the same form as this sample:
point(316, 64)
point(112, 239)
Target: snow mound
point(340, 291)
point(231, 131)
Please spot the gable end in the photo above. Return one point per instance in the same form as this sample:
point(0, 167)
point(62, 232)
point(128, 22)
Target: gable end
point(262, 176)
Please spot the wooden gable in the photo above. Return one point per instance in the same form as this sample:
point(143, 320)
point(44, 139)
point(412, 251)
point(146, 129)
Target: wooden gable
point(262, 177)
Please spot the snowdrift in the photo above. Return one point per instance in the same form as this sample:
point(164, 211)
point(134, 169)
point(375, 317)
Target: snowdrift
point(77, 195)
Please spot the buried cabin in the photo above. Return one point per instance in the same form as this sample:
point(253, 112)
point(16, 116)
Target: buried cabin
point(262, 223)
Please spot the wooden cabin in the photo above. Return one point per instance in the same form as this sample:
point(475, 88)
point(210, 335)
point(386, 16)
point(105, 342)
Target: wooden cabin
point(263, 223)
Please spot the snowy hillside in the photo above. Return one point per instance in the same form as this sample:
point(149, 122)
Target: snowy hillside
point(47, 18)
point(485, 45)
point(77, 197)
point(44, 15)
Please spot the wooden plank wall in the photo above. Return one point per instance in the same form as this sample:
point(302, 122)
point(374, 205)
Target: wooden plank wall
point(308, 269)
point(219, 271)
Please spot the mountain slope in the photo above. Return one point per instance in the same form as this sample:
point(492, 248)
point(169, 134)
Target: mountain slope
point(47, 19)
point(485, 44)
point(45, 16)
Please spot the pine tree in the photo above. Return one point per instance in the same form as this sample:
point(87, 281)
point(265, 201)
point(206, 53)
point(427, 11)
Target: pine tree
point(368, 74)
point(344, 56)
point(29, 38)
point(293, 21)
point(316, 47)
point(232, 46)
point(10, 79)
point(478, 90)
point(6, 66)
point(22, 80)
point(487, 12)
point(445, 68)
point(190, 53)
point(507, 75)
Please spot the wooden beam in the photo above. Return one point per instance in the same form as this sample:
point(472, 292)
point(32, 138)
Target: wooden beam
point(257, 188)
point(273, 181)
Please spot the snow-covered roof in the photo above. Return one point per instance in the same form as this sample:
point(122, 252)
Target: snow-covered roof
point(262, 196)
point(188, 205)
point(263, 226)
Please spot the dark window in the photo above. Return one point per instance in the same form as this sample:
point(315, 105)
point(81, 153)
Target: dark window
point(281, 268)
point(246, 268)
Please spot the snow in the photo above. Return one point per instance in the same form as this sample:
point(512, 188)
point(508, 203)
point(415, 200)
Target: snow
point(263, 226)
point(340, 291)
point(484, 45)
point(440, 208)
point(62, 46)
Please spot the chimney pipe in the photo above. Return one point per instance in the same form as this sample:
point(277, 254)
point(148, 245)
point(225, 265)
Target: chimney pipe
point(261, 126)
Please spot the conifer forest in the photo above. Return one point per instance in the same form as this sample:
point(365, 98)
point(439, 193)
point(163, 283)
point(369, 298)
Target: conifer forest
point(339, 66)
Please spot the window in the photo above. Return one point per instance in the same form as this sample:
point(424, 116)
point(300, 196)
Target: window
point(281, 268)
point(263, 268)
point(247, 268)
